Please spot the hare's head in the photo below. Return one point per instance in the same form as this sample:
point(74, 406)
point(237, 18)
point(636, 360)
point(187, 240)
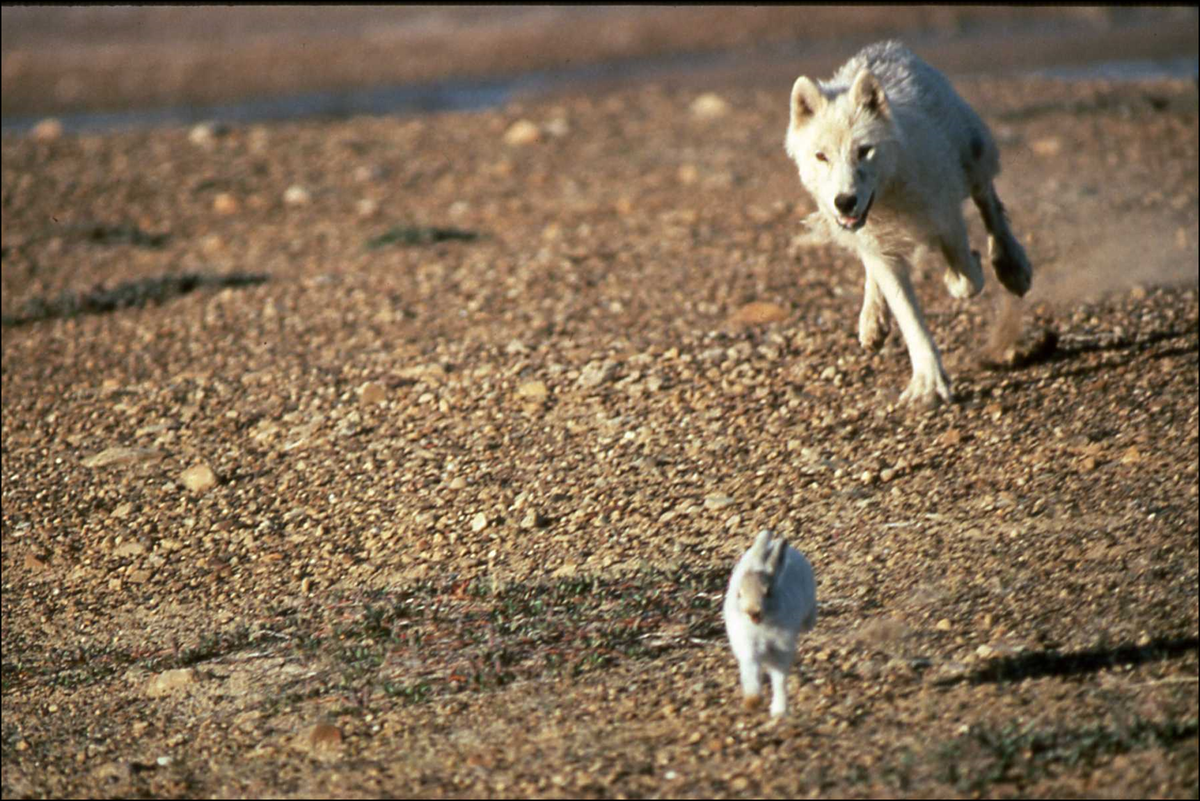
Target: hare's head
point(754, 591)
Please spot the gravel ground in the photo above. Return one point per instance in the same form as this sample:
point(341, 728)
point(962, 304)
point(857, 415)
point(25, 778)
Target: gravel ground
point(410, 457)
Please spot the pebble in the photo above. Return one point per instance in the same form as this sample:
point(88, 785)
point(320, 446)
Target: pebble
point(709, 106)
point(47, 130)
point(479, 522)
point(321, 738)
point(130, 548)
point(1047, 146)
point(596, 373)
point(887, 474)
point(759, 313)
point(367, 207)
point(371, 393)
point(205, 133)
point(943, 625)
point(170, 681)
point(533, 390)
point(297, 195)
point(198, 478)
point(1131, 456)
point(122, 456)
point(226, 204)
point(715, 502)
point(522, 132)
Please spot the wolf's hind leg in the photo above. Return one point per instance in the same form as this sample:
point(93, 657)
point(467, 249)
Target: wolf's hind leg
point(1004, 250)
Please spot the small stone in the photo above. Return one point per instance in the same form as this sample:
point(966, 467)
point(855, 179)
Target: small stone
point(297, 195)
point(951, 437)
point(522, 132)
point(533, 519)
point(943, 625)
point(887, 474)
point(371, 393)
point(129, 549)
point(321, 738)
point(205, 133)
point(557, 127)
point(688, 174)
point(122, 456)
point(984, 651)
point(596, 373)
point(163, 761)
point(759, 313)
point(1047, 146)
point(1131, 456)
point(367, 207)
point(457, 483)
point(1088, 464)
point(226, 204)
point(198, 478)
point(170, 681)
point(479, 522)
point(709, 106)
point(47, 130)
point(533, 390)
point(867, 477)
point(715, 502)
point(32, 562)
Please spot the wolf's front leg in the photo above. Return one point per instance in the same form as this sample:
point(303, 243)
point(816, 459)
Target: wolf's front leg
point(873, 322)
point(929, 382)
point(964, 278)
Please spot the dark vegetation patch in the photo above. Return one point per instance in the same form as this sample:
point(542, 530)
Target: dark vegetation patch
point(420, 235)
point(126, 295)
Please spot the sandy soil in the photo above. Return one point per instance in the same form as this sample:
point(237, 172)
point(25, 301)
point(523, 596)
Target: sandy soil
point(410, 457)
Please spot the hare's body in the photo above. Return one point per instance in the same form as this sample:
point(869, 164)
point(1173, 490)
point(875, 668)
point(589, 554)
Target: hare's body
point(772, 597)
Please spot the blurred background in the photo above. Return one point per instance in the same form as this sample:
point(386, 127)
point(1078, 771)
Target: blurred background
point(102, 67)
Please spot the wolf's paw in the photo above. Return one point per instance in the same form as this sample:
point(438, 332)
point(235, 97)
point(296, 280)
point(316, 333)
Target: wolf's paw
point(966, 285)
point(1011, 266)
point(873, 326)
point(927, 389)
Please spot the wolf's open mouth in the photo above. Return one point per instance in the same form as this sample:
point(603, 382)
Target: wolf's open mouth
point(854, 223)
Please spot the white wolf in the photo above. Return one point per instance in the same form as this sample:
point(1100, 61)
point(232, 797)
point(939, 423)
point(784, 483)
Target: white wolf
point(889, 152)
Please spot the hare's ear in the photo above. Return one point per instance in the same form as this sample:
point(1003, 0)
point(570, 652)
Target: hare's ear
point(776, 556)
point(761, 546)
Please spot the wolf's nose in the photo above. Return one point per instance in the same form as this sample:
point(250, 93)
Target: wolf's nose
point(845, 203)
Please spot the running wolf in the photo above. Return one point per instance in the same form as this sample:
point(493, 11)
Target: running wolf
point(889, 152)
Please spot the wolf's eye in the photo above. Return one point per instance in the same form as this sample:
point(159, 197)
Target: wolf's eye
point(865, 151)
point(821, 156)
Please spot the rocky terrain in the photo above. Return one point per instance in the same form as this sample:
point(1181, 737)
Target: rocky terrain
point(410, 456)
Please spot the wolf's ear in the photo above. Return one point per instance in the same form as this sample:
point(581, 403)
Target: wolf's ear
point(868, 94)
point(807, 100)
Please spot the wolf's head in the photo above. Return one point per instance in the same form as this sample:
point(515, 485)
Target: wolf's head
point(842, 142)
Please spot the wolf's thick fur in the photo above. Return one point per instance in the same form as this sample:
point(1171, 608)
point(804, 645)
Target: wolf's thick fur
point(889, 152)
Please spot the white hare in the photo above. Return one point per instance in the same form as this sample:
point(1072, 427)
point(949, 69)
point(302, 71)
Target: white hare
point(772, 597)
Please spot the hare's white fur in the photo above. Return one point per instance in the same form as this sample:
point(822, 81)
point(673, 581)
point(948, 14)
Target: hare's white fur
point(774, 584)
